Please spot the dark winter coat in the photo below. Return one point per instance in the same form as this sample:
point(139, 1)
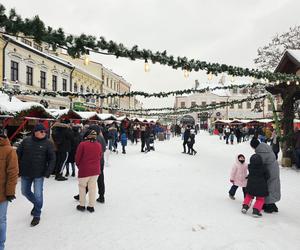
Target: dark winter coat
point(257, 178)
point(8, 169)
point(88, 156)
point(75, 140)
point(186, 135)
point(270, 162)
point(36, 157)
point(191, 140)
point(62, 137)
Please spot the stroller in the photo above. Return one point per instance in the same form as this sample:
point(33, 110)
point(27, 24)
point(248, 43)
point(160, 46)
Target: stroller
point(151, 142)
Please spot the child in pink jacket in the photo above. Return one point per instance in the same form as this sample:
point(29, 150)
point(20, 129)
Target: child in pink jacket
point(238, 176)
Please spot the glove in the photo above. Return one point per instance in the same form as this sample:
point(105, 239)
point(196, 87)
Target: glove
point(10, 198)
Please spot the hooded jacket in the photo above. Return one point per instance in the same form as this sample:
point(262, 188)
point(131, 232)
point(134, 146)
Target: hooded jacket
point(257, 178)
point(270, 162)
point(239, 173)
point(8, 169)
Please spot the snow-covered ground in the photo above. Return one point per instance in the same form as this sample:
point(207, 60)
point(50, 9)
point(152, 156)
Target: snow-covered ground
point(160, 200)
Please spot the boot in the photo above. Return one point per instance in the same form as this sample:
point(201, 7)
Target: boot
point(59, 177)
point(268, 208)
point(245, 208)
point(80, 208)
point(67, 173)
point(35, 221)
point(231, 197)
point(101, 199)
point(90, 209)
point(73, 174)
point(76, 197)
point(256, 213)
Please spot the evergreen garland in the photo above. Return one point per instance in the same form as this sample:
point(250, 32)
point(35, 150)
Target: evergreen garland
point(128, 94)
point(179, 111)
point(79, 45)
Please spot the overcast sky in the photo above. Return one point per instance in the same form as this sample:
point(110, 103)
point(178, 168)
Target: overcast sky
point(212, 30)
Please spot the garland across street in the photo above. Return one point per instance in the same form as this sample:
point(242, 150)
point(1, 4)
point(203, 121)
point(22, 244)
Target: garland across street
point(129, 94)
point(80, 45)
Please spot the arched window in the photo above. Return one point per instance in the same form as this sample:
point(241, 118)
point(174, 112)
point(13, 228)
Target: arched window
point(88, 90)
point(81, 89)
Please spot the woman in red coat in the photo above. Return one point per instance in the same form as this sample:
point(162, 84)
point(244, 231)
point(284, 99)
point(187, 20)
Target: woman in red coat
point(88, 156)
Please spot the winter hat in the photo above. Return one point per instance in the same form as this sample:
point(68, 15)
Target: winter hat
point(254, 143)
point(92, 135)
point(39, 127)
point(241, 155)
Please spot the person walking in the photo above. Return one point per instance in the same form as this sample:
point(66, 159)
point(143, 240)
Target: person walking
point(75, 140)
point(256, 186)
point(123, 142)
point(88, 156)
point(62, 137)
point(269, 160)
point(186, 136)
point(36, 160)
point(8, 178)
point(238, 176)
point(191, 142)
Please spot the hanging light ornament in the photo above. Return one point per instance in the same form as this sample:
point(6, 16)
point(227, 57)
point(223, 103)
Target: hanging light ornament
point(146, 66)
point(277, 82)
point(210, 76)
point(232, 79)
point(186, 73)
point(288, 82)
point(266, 80)
point(297, 83)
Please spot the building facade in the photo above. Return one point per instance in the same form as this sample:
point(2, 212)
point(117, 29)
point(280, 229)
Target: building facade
point(25, 65)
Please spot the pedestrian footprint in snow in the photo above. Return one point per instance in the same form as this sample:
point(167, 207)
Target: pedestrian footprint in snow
point(256, 186)
point(238, 176)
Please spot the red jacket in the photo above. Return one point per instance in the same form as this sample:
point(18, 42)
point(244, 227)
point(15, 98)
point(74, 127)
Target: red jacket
point(88, 156)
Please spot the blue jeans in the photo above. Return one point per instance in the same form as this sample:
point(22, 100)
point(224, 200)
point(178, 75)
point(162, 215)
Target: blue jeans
point(3, 212)
point(36, 198)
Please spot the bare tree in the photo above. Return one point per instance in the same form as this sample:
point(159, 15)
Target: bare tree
point(270, 55)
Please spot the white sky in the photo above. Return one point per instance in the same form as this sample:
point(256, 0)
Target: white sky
point(212, 30)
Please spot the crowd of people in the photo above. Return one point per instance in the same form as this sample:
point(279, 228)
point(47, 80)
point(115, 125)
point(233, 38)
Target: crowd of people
point(58, 151)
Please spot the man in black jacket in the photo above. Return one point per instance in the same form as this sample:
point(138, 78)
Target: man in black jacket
point(36, 161)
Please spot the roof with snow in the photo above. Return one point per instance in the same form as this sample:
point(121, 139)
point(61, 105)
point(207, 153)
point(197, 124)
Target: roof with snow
point(290, 62)
point(15, 106)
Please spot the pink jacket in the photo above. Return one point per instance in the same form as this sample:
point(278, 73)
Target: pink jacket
point(239, 173)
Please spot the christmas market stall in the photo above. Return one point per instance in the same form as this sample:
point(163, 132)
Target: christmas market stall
point(19, 117)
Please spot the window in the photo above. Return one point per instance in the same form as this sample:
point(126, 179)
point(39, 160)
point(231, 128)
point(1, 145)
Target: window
point(182, 104)
point(193, 104)
point(107, 81)
point(64, 85)
point(75, 87)
point(26, 41)
point(232, 106)
point(203, 103)
point(14, 70)
point(248, 105)
point(234, 91)
point(81, 89)
point(111, 84)
point(38, 47)
point(29, 75)
point(222, 104)
point(54, 83)
point(43, 79)
point(240, 105)
point(115, 86)
point(213, 103)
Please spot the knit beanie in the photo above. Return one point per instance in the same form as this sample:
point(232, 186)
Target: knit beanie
point(92, 135)
point(254, 143)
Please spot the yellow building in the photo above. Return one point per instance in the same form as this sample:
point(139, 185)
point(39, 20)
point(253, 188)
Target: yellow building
point(27, 66)
point(85, 82)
